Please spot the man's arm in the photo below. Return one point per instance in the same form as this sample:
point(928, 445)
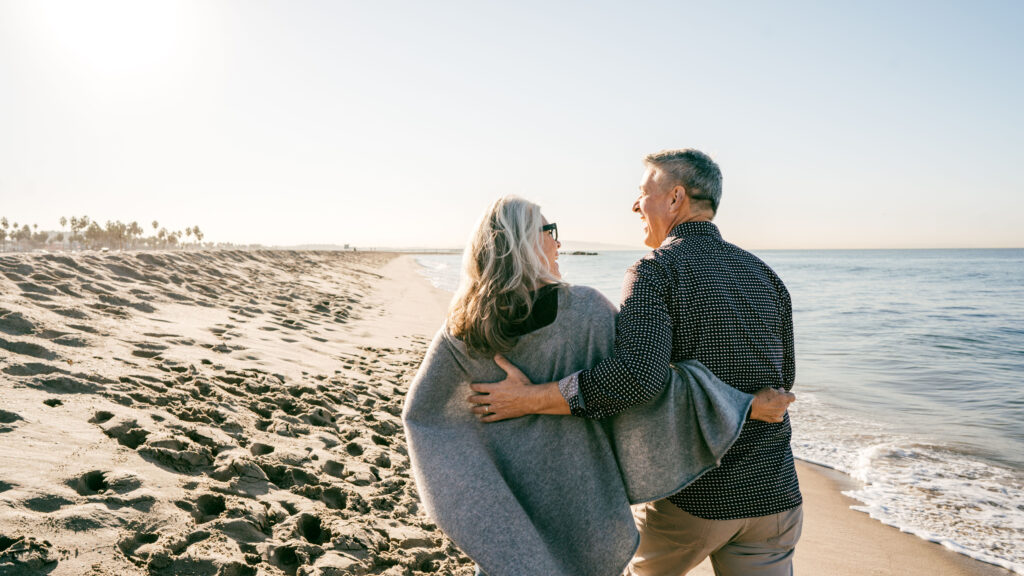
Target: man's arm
point(635, 374)
point(639, 367)
point(788, 354)
point(515, 396)
point(770, 404)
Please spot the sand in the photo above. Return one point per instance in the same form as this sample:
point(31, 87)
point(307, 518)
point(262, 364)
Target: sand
point(237, 413)
point(210, 413)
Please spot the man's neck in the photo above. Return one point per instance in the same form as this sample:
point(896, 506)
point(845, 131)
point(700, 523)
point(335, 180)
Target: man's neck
point(695, 217)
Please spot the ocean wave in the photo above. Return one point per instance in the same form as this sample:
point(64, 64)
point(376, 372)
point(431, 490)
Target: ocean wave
point(442, 271)
point(934, 492)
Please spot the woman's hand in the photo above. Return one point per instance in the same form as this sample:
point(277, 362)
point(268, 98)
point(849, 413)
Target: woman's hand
point(515, 396)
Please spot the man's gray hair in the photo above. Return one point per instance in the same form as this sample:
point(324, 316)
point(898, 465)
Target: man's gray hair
point(695, 170)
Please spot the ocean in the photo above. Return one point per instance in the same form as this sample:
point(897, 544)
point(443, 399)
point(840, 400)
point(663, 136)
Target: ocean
point(909, 379)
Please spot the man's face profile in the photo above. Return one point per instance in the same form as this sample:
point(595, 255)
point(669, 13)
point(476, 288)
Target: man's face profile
point(655, 207)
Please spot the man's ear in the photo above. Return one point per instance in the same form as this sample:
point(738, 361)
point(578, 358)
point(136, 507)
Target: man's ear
point(678, 196)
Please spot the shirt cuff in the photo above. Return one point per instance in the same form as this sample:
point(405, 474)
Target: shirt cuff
point(570, 389)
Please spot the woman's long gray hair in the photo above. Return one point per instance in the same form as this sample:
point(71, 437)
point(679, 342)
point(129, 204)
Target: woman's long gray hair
point(503, 262)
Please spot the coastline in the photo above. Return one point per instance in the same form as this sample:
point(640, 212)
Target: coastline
point(840, 541)
point(228, 412)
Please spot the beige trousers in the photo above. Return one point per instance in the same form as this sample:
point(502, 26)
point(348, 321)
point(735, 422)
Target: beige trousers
point(673, 542)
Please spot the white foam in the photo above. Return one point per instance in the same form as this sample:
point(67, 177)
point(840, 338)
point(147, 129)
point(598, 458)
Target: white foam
point(967, 505)
point(441, 270)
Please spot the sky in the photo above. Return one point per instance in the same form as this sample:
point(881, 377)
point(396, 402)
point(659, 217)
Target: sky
point(396, 123)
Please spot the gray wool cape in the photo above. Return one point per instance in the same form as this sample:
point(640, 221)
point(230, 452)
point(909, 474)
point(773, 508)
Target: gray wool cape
point(551, 495)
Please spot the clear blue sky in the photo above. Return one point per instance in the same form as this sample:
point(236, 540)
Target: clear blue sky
point(837, 125)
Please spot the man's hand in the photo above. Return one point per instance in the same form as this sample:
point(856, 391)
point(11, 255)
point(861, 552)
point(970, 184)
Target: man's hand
point(770, 404)
point(515, 396)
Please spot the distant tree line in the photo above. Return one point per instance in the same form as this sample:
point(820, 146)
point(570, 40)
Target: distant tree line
point(87, 234)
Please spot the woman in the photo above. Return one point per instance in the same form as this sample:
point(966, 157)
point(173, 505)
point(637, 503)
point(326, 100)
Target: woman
point(546, 494)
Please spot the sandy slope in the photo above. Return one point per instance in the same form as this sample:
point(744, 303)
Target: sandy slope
point(218, 413)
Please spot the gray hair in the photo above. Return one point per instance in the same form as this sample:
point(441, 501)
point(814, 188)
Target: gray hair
point(694, 170)
point(502, 264)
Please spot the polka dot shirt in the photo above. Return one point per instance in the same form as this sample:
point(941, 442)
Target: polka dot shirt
point(699, 297)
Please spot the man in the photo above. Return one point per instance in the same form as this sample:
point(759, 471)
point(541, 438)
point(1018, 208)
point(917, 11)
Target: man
point(694, 296)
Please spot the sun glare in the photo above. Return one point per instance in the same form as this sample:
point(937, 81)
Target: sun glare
point(111, 37)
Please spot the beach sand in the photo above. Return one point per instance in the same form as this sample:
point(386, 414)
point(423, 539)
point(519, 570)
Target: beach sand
point(237, 413)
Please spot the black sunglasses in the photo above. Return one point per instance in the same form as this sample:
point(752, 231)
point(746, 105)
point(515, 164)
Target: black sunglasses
point(551, 228)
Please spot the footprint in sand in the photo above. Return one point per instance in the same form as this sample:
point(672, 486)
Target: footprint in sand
point(127, 433)
point(311, 529)
point(259, 449)
point(27, 349)
point(30, 369)
point(335, 497)
point(72, 341)
point(46, 504)
point(334, 468)
point(73, 313)
point(83, 328)
point(208, 506)
point(15, 323)
point(148, 349)
point(25, 555)
point(131, 545)
point(101, 417)
point(90, 483)
point(8, 418)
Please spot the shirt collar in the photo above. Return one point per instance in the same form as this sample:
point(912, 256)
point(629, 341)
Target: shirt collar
point(694, 229)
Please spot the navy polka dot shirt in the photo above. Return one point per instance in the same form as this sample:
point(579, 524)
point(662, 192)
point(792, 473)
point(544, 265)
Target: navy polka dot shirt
point(699, 297)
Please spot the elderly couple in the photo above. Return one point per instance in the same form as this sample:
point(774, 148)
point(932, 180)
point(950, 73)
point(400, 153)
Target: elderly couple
point(603, 442)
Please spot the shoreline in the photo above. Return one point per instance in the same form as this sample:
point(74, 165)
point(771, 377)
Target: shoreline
point(838, 540)
point(231, 412)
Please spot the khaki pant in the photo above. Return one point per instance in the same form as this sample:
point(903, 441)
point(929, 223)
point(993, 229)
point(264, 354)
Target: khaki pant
point(673, 542)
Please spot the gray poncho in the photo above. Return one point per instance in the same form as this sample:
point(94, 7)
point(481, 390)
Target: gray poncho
point(550, 495)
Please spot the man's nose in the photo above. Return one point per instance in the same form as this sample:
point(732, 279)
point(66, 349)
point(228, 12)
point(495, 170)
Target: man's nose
point(636, 206)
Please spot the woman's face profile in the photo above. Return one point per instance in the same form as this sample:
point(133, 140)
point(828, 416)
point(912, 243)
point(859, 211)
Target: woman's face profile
point(549, 248)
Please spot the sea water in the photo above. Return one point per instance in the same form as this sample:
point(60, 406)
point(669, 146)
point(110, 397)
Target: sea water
point(910, 378)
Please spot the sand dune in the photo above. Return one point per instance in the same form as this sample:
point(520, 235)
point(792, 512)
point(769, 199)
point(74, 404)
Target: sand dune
point(206, 413)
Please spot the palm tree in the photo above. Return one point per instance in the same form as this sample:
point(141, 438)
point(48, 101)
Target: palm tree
point(198, 234)
point(63, 224)
point(134, 231)
point(23, 236)
point(78, 225)
point(93, 234)
point(4, 225)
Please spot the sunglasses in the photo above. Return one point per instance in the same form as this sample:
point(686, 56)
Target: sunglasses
point(551, 229)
